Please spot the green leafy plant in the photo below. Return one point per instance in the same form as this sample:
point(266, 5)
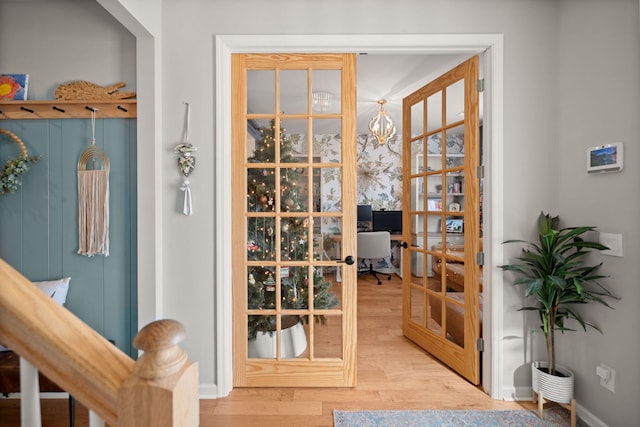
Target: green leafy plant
point(555, 274)
point(11, 173)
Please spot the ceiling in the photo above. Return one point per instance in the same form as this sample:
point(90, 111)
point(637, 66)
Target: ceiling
point(379, 76)
point(393, 77)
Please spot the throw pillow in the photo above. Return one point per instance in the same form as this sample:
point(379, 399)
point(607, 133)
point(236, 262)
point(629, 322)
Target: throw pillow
point(56, 289)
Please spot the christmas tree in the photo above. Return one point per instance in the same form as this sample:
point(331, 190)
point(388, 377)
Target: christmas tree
point(294, 236)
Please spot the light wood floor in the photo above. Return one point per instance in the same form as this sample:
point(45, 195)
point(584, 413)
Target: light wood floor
point(393, 373)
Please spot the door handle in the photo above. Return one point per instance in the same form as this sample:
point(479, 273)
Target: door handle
point(347, 260)
point(404, 245)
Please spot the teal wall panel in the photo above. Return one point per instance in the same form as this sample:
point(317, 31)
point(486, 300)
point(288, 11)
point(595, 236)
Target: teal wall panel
point(39, 223)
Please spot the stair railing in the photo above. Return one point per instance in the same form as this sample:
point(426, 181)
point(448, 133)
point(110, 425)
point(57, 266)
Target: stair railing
point(160, 389)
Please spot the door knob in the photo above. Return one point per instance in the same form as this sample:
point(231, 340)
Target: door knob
point(347, 260)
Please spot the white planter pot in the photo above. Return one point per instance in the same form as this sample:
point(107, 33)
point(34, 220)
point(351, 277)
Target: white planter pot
point(555, 388)
point(293, 342)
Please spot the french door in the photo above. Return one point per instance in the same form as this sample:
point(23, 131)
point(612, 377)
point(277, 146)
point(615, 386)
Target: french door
point(294, 228)
point(441, 281)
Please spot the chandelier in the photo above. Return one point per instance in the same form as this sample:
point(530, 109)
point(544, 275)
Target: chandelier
point(381, 125)
point(321, 101)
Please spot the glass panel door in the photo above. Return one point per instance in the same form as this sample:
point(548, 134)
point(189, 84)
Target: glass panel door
point(441, 293)
point(294, 185)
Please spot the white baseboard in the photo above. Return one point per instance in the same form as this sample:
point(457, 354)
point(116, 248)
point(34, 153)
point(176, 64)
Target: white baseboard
point(525, 394)
point(588, 418)
point(515, 394)
point(208, 391)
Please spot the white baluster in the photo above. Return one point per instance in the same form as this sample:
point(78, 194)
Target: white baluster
point(29, 395)
point(95, 420)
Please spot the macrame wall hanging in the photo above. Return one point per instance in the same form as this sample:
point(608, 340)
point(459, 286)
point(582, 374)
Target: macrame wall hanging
point(186, 164)
point(93, 198)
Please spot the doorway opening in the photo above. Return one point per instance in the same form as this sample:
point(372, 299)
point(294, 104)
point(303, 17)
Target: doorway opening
point(491, 45)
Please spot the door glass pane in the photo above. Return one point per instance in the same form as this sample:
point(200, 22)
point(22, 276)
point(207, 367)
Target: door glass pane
point(261, 190)
point(455, 192)
point(417, 119)
point(261, 344)
point(435, 316)
point(455, 146)
point(434, 193)
point(294, 189)
point(417, 160)
point(293, 92)
point(261, 288)
point(327, 336)
point(331, 188)
point(434, 146)
point(455, 102)
point(455, 319)
point(333, 276)
point(294, 240)
point(261, 141)
point(294, 289)
point(434, 112)
point(327, 140)
point(328, 243)
point(417, 193)
point(417, 267)
point(417, 306)
point(261, 91)
point(261, 239)
point(326, 91)
point(324, 292)
point(294, 145)
point(294, 337)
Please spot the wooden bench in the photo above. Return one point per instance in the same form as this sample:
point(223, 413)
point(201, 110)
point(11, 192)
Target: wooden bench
point(10, 380)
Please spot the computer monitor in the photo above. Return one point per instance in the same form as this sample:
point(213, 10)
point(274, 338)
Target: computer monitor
point(455, 225)
point(364, 213)
point(390, 221)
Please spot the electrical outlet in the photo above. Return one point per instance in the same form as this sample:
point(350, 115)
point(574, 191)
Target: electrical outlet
point(607, 376)
point(613, 241)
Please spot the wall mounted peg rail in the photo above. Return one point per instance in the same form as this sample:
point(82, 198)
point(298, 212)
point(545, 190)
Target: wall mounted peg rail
point(58, 109)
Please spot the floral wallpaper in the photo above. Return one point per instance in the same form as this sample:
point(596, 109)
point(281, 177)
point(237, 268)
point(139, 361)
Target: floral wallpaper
point(379, 175)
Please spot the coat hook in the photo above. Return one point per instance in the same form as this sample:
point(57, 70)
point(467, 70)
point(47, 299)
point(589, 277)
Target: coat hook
point(58, 109)
point(122, 108)
point(91, 109)
point(26, 109)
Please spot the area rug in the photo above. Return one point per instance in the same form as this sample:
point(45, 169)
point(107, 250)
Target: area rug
point(450, 418)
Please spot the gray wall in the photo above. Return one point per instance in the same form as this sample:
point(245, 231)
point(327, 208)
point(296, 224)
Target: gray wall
point(558, 56)
point(598, 102)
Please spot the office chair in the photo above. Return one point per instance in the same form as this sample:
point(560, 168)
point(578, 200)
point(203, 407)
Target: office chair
point(374, 245)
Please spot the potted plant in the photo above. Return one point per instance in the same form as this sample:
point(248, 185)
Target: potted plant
point(555, 274)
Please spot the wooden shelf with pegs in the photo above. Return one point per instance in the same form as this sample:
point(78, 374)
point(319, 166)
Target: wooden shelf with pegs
point(59, 109)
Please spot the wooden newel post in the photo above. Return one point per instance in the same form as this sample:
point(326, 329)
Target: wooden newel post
point(162, 391)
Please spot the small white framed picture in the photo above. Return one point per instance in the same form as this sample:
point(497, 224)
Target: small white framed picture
point(454, 207)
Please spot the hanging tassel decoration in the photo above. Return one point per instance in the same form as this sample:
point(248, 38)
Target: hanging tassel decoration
point(93, 198)
point(186, 164)
point(187, 207)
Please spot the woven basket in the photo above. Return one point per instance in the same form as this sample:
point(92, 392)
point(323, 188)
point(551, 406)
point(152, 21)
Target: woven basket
point(14, 137)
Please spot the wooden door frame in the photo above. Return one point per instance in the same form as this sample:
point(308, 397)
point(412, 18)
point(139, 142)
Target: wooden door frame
point(490, 46)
